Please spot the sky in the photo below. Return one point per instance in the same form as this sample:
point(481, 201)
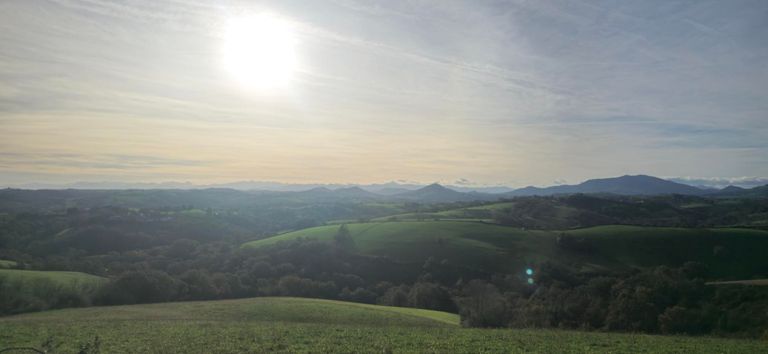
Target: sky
point(509, 93)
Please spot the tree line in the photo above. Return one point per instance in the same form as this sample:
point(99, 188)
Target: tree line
point(654, 300)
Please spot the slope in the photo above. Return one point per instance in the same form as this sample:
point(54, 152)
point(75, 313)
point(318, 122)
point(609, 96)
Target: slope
point(266, 325)
point(263, 309)
point(30, 278)
point(490, 248)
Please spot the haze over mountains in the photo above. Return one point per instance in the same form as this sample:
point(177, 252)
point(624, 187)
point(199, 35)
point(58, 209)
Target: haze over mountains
point(389, 188)
point(625, 185)
point(228, 196)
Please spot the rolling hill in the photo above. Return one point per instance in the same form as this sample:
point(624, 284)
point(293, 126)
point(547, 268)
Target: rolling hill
point(489, 248)
point(282, 309)
point(6, 264)
point(309, 326)
point(63, 279)
point(30, 290)
point(738, 192)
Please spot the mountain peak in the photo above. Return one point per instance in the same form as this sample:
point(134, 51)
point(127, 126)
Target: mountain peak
point(435, 187)
point(623, 185)
point(351, 189)
point(632, 178)
point(435, 192)
point(318, 190)
point(732, 189)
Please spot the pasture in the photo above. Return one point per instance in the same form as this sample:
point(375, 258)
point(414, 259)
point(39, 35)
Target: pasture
point(309, 325)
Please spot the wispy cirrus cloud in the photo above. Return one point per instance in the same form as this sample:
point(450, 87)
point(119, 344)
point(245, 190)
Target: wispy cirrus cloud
point(92, 161)
point(425, 90)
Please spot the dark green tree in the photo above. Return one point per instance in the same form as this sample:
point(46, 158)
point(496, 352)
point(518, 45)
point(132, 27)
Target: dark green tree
point(343, 238)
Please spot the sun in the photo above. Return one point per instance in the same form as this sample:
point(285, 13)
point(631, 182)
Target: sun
point(259, 51)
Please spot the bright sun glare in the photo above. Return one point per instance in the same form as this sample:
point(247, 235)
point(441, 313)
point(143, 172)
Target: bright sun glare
point(259, 51)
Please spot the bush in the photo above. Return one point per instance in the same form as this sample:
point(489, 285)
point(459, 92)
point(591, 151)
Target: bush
point(680, 320)
point(292, 285)
point(22, 295)
point(395, 296)
point(482, 305)
point(138, 287)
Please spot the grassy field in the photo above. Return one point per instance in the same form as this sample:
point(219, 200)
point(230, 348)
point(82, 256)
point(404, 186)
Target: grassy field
point(730, 253)
point(308, 325)
point(475, 213)
point(29, 290)
point(64, 279)
point(4, 264)
point(465, 243)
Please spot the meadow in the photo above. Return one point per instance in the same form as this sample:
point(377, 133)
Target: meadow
point(57, 278)
point(308, 325)
point(6, 264)
point(31, 290)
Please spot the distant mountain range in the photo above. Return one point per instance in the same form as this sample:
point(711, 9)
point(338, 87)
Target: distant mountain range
point(436, 193)
point(433, 193)
point(21, 199)
point(624, 185)
point(389, 188)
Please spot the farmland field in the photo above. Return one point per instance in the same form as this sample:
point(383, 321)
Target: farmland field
point(308, 325)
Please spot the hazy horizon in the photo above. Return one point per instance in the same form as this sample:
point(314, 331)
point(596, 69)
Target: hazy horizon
point(491, 93)
point(461, 184)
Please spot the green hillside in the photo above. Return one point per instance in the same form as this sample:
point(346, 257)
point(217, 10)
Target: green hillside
point(729, 253)
point(578, 211)
point(7, 264)
point(275, 309)
point(30, 290)
point(478, 213)
point(307, 325)
point(63, 279)
point(465, 243)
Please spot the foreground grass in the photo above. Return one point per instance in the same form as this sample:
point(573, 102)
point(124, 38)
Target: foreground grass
point(259, 337)
point(306, 325)
point(263, 309)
